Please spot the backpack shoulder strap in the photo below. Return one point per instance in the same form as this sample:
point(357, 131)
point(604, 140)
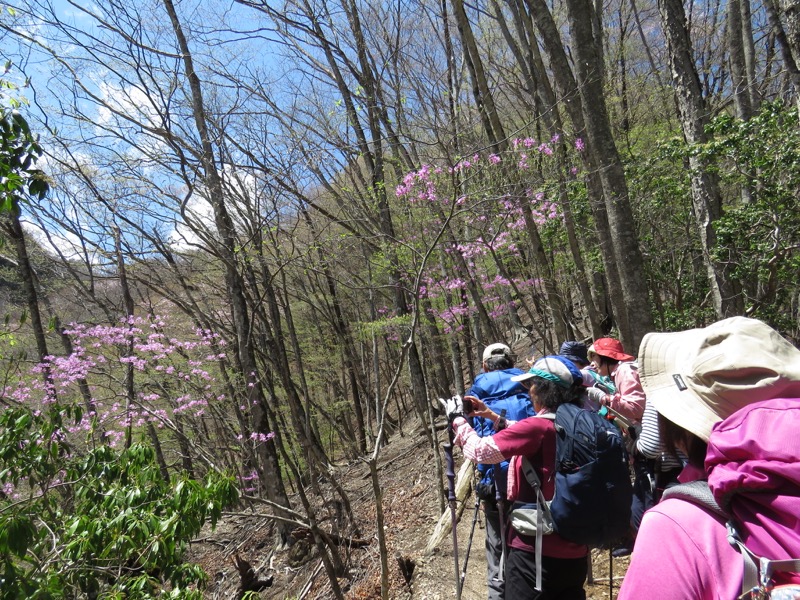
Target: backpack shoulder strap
point(530, 474)
point(698, 492)
point(543, 511)
point(527, 467)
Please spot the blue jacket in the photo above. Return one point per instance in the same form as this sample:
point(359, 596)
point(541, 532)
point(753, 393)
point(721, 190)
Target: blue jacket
point(497, 390)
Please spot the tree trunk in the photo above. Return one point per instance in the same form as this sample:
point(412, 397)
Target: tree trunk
point(784, 45)
point(345, 339)
point(705, 186)
point(34, 297)
point(13, 227)
point(653, 69)
point(541, 92)
point(739, 73)
point(480, 85)
point(128, 306)
point(553, 296)
point(750, 54)
point(442, 381)
point(571, 99)
point(612, 175)
point(791, 11)
point(233, 281)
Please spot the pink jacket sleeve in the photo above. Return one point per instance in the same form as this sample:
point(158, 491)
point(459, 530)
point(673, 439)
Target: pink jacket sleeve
point(629, 400)
point(477, 449)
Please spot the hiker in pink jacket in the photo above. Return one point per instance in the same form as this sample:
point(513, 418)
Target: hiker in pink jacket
point(609, 360)
point(728, 396)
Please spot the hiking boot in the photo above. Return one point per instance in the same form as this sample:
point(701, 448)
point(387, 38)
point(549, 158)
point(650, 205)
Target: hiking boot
point(621, 551)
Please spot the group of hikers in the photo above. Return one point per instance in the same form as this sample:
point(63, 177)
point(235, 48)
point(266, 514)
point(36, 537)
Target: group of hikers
point(707, 423)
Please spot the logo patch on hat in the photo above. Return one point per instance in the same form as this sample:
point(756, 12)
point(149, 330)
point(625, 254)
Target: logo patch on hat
point(679, 382)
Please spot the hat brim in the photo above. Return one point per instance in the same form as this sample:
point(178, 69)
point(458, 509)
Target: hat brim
point(523, 377)
point(613, 354)
point(496, 349)
point(576, 359)
point(665, 359)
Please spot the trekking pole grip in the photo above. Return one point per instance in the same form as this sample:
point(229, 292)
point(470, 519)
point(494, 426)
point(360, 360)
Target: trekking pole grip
point(451, 467)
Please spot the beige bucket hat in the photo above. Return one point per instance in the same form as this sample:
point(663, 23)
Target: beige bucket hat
point(698, 377)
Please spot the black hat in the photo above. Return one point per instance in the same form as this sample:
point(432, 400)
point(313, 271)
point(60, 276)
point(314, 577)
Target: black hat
point(574, 351)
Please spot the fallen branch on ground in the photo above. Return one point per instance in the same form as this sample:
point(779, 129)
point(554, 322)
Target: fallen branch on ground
point(443, 527)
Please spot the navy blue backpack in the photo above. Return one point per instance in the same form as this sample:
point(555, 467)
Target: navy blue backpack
point(593, 491)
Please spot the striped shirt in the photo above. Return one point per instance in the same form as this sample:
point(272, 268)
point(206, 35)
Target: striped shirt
point(649, 442)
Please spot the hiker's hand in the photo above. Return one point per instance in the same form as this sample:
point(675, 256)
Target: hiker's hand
point(453, 407)
point(597, 397)
point(479, 408)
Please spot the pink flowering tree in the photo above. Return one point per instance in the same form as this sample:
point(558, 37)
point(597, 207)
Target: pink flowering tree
point(491, 204)
point(84, 513)
point(177, 390)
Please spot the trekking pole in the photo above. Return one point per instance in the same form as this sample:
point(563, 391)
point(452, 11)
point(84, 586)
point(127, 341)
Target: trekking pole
point(589, 569)
point(469, 542)
point(501, 515)
point(451, 497)
point(610, 414)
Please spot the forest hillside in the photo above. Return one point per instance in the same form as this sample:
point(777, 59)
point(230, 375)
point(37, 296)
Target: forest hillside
point(246, 245)
point(419, 568)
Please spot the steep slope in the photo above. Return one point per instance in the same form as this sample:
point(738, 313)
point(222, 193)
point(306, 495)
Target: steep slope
point(411, 510)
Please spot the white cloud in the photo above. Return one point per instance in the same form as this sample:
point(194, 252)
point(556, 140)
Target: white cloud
point(63, 243)
point(129, 109)
point(200, 224)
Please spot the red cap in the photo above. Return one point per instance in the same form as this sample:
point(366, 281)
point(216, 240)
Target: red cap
point(610, 348)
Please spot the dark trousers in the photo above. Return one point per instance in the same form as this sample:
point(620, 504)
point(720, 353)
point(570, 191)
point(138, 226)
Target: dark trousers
point(494, 550)
point(643, 484)
point(562, 578)
point(664, 480)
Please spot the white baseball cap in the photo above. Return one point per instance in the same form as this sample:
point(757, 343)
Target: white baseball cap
point(495, 350)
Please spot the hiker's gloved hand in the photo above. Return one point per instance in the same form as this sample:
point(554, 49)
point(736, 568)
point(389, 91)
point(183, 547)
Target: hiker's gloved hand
point(453, 407)
point(597, 397)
